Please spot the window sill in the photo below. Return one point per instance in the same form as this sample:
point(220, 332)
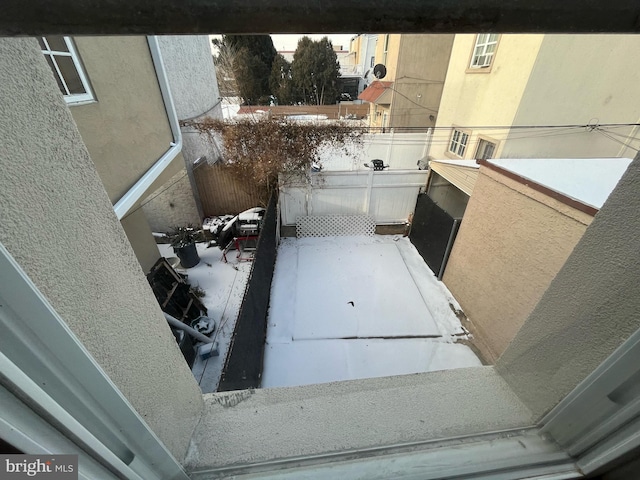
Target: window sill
point(272, 425)
point(81, 102)
point(452, 156)
point(480, 69)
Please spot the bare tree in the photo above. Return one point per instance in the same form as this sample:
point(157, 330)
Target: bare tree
point(224, 62)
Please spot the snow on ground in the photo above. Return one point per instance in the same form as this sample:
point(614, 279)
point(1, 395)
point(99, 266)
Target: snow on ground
point(400, 322)
point(224, 284)
point(589, 180)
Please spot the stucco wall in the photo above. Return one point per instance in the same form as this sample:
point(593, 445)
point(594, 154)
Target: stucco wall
point(191, 73)
point(172, 205)
point(141, 239)
point(580, 79)
point(57, 221)
point(126, 130)
point(391, 60)
point(419, 79)
point(589, 309)
point(511, 243)
point(484, 96)
point(274, 423)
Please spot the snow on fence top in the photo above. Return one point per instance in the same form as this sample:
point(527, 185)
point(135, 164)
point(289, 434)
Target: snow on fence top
point(335, 226)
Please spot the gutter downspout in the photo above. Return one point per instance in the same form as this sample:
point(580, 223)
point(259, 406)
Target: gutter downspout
point(129, 199)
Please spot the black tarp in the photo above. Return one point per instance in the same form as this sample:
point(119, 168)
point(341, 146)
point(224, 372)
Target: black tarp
point(243, 365)
point(431, 230)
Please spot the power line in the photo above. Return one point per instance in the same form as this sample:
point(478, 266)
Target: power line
point(625, 144)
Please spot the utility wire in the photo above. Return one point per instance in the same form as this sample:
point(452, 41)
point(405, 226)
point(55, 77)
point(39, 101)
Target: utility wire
point(625, 144)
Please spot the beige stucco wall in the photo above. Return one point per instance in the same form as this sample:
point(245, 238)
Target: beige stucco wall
point(126, 130)
point(484, 97)
point(419, 79)
point(58, 222)
point(141, 239)
point(512, 242)
point(589, 309)
point(580, 79)
point(391, 59)
point(172, 204)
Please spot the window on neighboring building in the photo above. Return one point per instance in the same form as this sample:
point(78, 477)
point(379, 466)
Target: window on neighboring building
point(484, 50)
point(386, 49)
point(458, 144)
point(485, 149)
point(67, 69)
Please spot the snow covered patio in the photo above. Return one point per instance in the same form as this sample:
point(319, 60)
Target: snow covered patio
point(345, 308)
point(224, 285)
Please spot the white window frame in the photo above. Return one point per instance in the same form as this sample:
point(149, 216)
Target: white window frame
point(70, 98)
point(482, 141)
point(385, 48)
point(459, 142)
point(484, 41)
point(99, 423)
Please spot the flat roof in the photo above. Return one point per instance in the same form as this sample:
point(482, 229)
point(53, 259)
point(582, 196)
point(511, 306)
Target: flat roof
point(587, 180)
point(458, 163)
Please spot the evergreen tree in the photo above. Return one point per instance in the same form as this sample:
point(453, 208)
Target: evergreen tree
point(280, 81)
point(253, 56)
point(315, 71)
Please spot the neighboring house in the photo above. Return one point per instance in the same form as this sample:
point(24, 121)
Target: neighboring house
point(121, 100)
point(194, 88)
point(88, 365)
point(416, 67)
point(498, 86)
point(523, 221)
point(362, 55)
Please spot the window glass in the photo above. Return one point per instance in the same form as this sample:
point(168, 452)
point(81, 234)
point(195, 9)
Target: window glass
point(57, 44)
point(70, 75)
point(67, 68)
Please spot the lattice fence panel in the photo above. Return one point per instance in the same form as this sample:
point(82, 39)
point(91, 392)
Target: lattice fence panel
point(335, 226)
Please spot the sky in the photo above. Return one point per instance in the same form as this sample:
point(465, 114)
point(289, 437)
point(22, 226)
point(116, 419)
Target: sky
point(290, 42)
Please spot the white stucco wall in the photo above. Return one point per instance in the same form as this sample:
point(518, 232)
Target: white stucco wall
point(58, 223)
point(191, 73)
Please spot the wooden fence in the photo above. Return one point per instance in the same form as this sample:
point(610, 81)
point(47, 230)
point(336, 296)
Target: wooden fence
point(221, 193)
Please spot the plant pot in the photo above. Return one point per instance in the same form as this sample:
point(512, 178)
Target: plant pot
point(188, 255)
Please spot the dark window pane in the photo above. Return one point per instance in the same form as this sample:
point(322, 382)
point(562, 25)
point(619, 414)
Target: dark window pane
point(42, 45)
point(70, 74)
point(55, 74)
point(57, 44)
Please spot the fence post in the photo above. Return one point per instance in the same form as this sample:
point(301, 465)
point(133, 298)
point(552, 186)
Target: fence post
point(367, 198)
point(390, 147)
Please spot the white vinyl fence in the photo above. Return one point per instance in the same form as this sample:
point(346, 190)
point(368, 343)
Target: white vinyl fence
point(401, 151)
point(388, 196)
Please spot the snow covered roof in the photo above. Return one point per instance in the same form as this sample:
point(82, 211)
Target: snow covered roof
point(587, 180)
point(459, 163)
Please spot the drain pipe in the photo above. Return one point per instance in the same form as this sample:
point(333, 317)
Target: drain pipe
point(129, 199)
point(174, 322)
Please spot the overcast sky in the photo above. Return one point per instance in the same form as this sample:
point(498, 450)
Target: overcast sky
point(290, 42)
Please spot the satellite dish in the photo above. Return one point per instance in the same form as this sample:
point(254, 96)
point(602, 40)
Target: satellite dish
point(379, 71)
